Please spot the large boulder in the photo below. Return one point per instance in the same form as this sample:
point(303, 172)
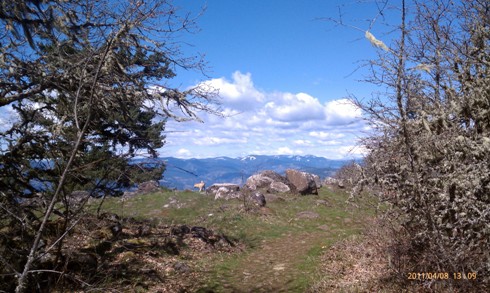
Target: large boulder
point(268, 181)
point(331, 182)
point(257, 181)
point(224, 191)
point(278, 187)
point(303, 182)
point(148, 186)
point(258, 199)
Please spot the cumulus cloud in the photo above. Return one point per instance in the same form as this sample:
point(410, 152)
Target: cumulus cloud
point(239, 93)
point(295, 107)
point(284, 151)
point(341, 111)
point(260, 122)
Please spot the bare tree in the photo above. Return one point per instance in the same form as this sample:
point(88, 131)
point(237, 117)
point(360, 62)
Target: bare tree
point(428, 157)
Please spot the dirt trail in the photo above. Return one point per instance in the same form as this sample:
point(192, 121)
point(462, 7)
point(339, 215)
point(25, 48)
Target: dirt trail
point(274, 267)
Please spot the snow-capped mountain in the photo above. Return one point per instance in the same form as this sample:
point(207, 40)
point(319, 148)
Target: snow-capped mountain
point(184, 173)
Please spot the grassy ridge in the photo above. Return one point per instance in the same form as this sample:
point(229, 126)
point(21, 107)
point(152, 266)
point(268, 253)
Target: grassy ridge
point(231, 218)
point(289, 234)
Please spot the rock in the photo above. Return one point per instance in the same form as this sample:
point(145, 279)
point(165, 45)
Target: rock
point(269, 181)
point(330, 181)
point(258, 181)
point(215, 187)
point(224, 191)
point(278, 187)
point(318, 181)
point(148, 186)
point(303, 182)
point(258, 198)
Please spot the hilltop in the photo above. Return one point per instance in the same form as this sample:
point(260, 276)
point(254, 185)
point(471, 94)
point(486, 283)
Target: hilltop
point(183, 241)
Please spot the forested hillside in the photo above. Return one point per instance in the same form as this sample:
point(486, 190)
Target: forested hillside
point(184, 173)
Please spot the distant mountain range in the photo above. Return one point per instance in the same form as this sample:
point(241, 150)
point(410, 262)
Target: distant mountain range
point(184, 173)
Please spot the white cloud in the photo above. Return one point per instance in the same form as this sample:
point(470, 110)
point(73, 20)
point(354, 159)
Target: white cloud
point(341, 111)
point(240, 93)
point(325, 135)
point(218, 140)
point(329, 142)
point(298, 107)
point(302, 142)
point(284, 151)
point(260, 122)
point(183, 153)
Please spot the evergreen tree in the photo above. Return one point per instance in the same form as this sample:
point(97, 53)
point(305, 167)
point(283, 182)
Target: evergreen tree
point(86, 83)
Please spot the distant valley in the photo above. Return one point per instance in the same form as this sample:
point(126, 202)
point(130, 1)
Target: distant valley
point(184, 173)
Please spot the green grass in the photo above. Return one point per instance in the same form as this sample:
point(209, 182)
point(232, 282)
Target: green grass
point(251, 228)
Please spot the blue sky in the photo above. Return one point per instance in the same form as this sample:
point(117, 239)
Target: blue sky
point(283, 77)
point(283, 44)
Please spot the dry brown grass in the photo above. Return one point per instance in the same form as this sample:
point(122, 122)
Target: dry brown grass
point(145, 256)
point(353, 265)
point(374, 262)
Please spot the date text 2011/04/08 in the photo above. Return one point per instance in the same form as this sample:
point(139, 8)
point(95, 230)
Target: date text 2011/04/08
point(442, 276)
